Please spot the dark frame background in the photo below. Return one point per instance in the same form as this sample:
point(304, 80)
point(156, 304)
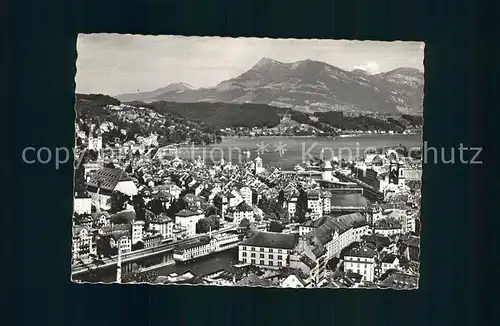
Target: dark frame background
point(457, 279)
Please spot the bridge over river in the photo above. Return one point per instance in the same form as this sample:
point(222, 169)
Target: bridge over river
point(368, 190)
point(143, 259)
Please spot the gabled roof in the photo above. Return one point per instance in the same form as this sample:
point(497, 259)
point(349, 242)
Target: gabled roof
point(339, 224)
point(307, 261)
point(108, 178)
point(162, 218)
point(254, 280)
point(114, 228)
point(412, 242)
point(186, 213)
point(389, 259)
point(163, 195)
point(272, 240)
point(299, 275)
point(400, 280)
point(123, 217)
point(377, 239)
point(77, 229)
point(313, 194)
point(361, 252)
point(244, 207)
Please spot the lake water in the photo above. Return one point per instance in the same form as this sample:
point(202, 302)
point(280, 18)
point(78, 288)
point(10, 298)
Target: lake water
point(286, 152)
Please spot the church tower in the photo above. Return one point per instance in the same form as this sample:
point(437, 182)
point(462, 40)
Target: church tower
point(90, 145)
point(258, 165)
point(327, 171)
point(401, 173)
point(98, 144)
point(393, 172)
point(397, 172)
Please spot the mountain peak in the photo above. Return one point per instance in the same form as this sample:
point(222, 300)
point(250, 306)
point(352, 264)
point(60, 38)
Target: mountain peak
point(179, 87)
point(266, 62)
point(405, 70)
point(360, 71)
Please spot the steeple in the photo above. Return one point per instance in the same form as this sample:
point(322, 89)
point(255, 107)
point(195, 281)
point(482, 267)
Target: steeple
point(327, 171)
point(258, 165)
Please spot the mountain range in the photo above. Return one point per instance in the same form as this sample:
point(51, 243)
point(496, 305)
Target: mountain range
point(308, 86)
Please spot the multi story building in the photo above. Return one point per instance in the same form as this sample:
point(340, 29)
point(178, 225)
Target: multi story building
point(387, 227)
point(95, 143)
point(234, 198)
point(361, 261)
point(201, 246)
point(389, 262)
point(291, 206)
point(151, 240)
point(336, 233)
point(314, 203)
point(106, 180)
point(122, 242)
point(83, 243)
point(188, 219)
point(326, 199)
point(137, 231)
point(246, 193)
point(164, 225)
point(243, 210)
point(82, 205)
point(309, 256)
point(267, 249)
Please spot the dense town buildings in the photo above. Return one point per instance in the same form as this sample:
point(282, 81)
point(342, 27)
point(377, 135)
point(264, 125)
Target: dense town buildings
point(140, 203)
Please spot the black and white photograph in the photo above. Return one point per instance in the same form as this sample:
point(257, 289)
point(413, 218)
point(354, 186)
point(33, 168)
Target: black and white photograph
point(254, 162)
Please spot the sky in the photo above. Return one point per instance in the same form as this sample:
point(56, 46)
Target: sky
point(115, 64)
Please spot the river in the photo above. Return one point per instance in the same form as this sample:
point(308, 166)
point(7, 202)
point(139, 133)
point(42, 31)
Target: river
point(286, 152)
point(204, 265)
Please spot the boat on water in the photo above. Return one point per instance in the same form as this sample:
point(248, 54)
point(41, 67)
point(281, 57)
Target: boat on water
point(204, 246)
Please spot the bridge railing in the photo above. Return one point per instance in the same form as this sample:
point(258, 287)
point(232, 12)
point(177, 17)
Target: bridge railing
point(346, 208)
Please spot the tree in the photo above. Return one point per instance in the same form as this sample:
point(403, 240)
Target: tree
point(300, 216)
point(176, 206)
point(211, 210)
point(173, 209)
point(203, 226)
point(264, 205)
point(214, 222)
point(80, 184)
point(301, 207)
point(109, 165)
point(129, 169)
point(416, 154)
point(281, 197)
point(140, 277)
point(77, 218)
point(117, 201)
point(139, 207)
point(138, 246)
point(402, 150)
point(275, 226)
point(92, 155)
point(245, 223)
point(156, 206)
point(280, 212)
point(104, 249)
